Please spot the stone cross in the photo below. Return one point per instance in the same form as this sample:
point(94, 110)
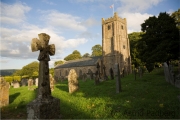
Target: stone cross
point(117, 76)
point(44, 106)
point(112, 74)
point(45, 51)
point(98, 69)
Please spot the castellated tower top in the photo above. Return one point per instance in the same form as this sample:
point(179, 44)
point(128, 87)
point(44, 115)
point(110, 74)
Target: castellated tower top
point(114, 18)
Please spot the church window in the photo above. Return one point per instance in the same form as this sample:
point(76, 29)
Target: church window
point(66, 72)
point(109, 27)
point(124, 46)
point(121, 26)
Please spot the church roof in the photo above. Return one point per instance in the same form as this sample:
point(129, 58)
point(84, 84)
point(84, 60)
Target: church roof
point(91, 61)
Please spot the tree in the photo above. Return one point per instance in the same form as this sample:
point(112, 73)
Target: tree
point(176, 16)
point(134, 39)
point(17, 78)
point(59, 62)
point(160, 42)
point(86, 55)
point(51, 71)
point(75, 55)
point(97, 50)
point(8, 78)
point(35, 74)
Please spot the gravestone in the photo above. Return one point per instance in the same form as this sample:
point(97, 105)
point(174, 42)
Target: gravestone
point(23, 82)
point(30, 84)
point(16, 84)
point(84, 77)
point(111, 74)
point(98, 69)
point(4, 92)
point(105, 76)
point(36, 82)
point(117, 76)
point(51, 82)
point(72, 81)
point(44, 106)
point(97, 78)
point(166, 72)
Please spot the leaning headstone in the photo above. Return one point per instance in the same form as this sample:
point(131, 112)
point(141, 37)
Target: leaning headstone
point(117, 76)
point(36, 82)
point(30, 84)
point(44, 106)
point(51, 82)
point(73, 83)
point(16, 84)
point(166, 72)
point(4, 92)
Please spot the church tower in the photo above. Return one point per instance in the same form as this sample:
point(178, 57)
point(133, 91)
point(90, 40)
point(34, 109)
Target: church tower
point(115, 44)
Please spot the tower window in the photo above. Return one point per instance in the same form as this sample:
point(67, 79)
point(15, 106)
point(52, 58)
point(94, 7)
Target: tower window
point(109, 27)
point(121, 26)
point(124, 46)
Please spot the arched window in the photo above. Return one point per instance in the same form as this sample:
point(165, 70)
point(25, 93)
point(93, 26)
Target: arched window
point(121, 26)
point(109, 27)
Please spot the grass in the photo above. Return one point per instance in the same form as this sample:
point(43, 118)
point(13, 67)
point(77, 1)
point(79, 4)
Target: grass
point(147, 97)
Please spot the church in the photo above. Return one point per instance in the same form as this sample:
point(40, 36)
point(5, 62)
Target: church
point(115, 49)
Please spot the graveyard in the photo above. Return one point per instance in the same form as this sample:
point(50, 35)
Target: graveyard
point(148, 97)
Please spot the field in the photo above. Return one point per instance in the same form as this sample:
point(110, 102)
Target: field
point(147, 97)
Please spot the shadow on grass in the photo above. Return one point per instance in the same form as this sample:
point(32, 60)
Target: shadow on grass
point(13, 97)
point(63, 88)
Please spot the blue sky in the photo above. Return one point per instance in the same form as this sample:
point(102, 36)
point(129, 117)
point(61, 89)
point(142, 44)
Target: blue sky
point(72, 25)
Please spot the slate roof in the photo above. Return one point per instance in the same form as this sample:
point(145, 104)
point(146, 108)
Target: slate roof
point(91, 61)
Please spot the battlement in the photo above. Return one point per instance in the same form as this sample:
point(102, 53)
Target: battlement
point(114, 18)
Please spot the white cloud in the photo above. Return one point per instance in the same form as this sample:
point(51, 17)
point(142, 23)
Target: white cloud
point(134, 20)
point(62, 20)
point(48, 2)
point(90, 22)
point(13, 14)
point(137, 5)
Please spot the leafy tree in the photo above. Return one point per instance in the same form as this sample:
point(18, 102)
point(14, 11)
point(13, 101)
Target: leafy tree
point(176, 16)
point(134, 51)
point(160, 42)
point(86, 55)
point(25, 76)
point(59, 62)
point(35, 74)
point(8, 78)
point(17, 78)
point(75, 55)
point(97, 50)
point(51, 71)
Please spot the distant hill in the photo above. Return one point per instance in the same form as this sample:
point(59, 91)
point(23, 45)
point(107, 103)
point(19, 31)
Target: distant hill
point(7, 72)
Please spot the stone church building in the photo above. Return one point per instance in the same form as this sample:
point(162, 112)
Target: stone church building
point(115, 48)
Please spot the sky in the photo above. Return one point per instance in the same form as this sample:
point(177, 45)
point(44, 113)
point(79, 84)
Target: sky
point(71, 24)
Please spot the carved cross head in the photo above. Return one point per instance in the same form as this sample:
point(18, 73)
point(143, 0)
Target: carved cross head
point(42, 43)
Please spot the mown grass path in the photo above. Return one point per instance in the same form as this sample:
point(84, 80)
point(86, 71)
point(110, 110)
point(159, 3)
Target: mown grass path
point(147, 97)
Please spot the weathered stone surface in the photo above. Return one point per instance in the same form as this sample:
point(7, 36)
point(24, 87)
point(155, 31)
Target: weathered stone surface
point(52, 81)
point(24, 82)
point(36, 81)
point(44, 109)
point(16, 84)
point(30, 84)
point(4, 92)
point(117, 76)
point(44, 106)
point(72, 81)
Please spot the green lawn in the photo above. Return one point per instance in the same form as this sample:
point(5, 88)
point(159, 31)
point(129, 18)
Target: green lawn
point(147, 97)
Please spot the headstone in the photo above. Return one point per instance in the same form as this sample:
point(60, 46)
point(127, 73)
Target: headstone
point(24, 82)
point(44, 106)
point(51, 82)
point(111, 74)
point(36, 82)
point(117, 76)
point(30, 84)
point(4, 92)
point(166, 72)
point(16, 84)
point(72, 81)
point(97, 78)
point(105, 76)
point(84, 77)
point(98, 69)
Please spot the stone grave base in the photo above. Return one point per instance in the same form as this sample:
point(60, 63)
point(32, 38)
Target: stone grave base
point(44, 108)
